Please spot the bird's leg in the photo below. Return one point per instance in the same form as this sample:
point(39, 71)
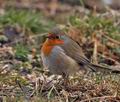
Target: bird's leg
point(66, 79)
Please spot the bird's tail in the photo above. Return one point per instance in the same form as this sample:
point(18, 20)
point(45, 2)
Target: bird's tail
point(105, 69)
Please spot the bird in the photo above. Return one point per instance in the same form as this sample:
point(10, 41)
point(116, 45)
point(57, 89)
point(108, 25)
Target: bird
point(63, 56)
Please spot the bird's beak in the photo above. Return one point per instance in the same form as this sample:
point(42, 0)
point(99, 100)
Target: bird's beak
point(46, 36)
point(49, 36)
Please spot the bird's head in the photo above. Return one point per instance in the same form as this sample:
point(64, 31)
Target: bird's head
point(53, 39)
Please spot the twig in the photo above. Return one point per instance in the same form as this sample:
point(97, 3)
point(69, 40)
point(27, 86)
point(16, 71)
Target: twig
point(38, 35)
point(112, 40)
point(106, 57)
point(31, 95)
point(97, 98)
point(18, 40)
point(58, 94)
point(95, 50)
point(21, 87)
point(5, 49)
point(37, 88)
point(4, 68)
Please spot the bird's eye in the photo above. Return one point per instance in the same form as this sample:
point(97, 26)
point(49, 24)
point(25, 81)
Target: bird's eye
point(53, 37)
point(57, 37)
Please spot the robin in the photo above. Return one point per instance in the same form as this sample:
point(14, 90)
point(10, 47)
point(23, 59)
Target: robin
point(63, 56)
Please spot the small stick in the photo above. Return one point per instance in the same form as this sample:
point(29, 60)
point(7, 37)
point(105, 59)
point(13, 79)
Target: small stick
point(112, 40)
point(96, 98)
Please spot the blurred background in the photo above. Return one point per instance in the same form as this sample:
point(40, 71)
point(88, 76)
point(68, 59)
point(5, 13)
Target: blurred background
point(93, 24)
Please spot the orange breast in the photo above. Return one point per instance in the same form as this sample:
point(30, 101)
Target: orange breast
point(49, 44)
point(46, 48)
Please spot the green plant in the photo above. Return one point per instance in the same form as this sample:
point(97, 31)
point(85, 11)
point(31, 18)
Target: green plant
point(21, 52)
point(91, 23)
point(30, 20)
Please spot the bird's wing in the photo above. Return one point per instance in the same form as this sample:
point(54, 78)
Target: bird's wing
point(73, 50)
